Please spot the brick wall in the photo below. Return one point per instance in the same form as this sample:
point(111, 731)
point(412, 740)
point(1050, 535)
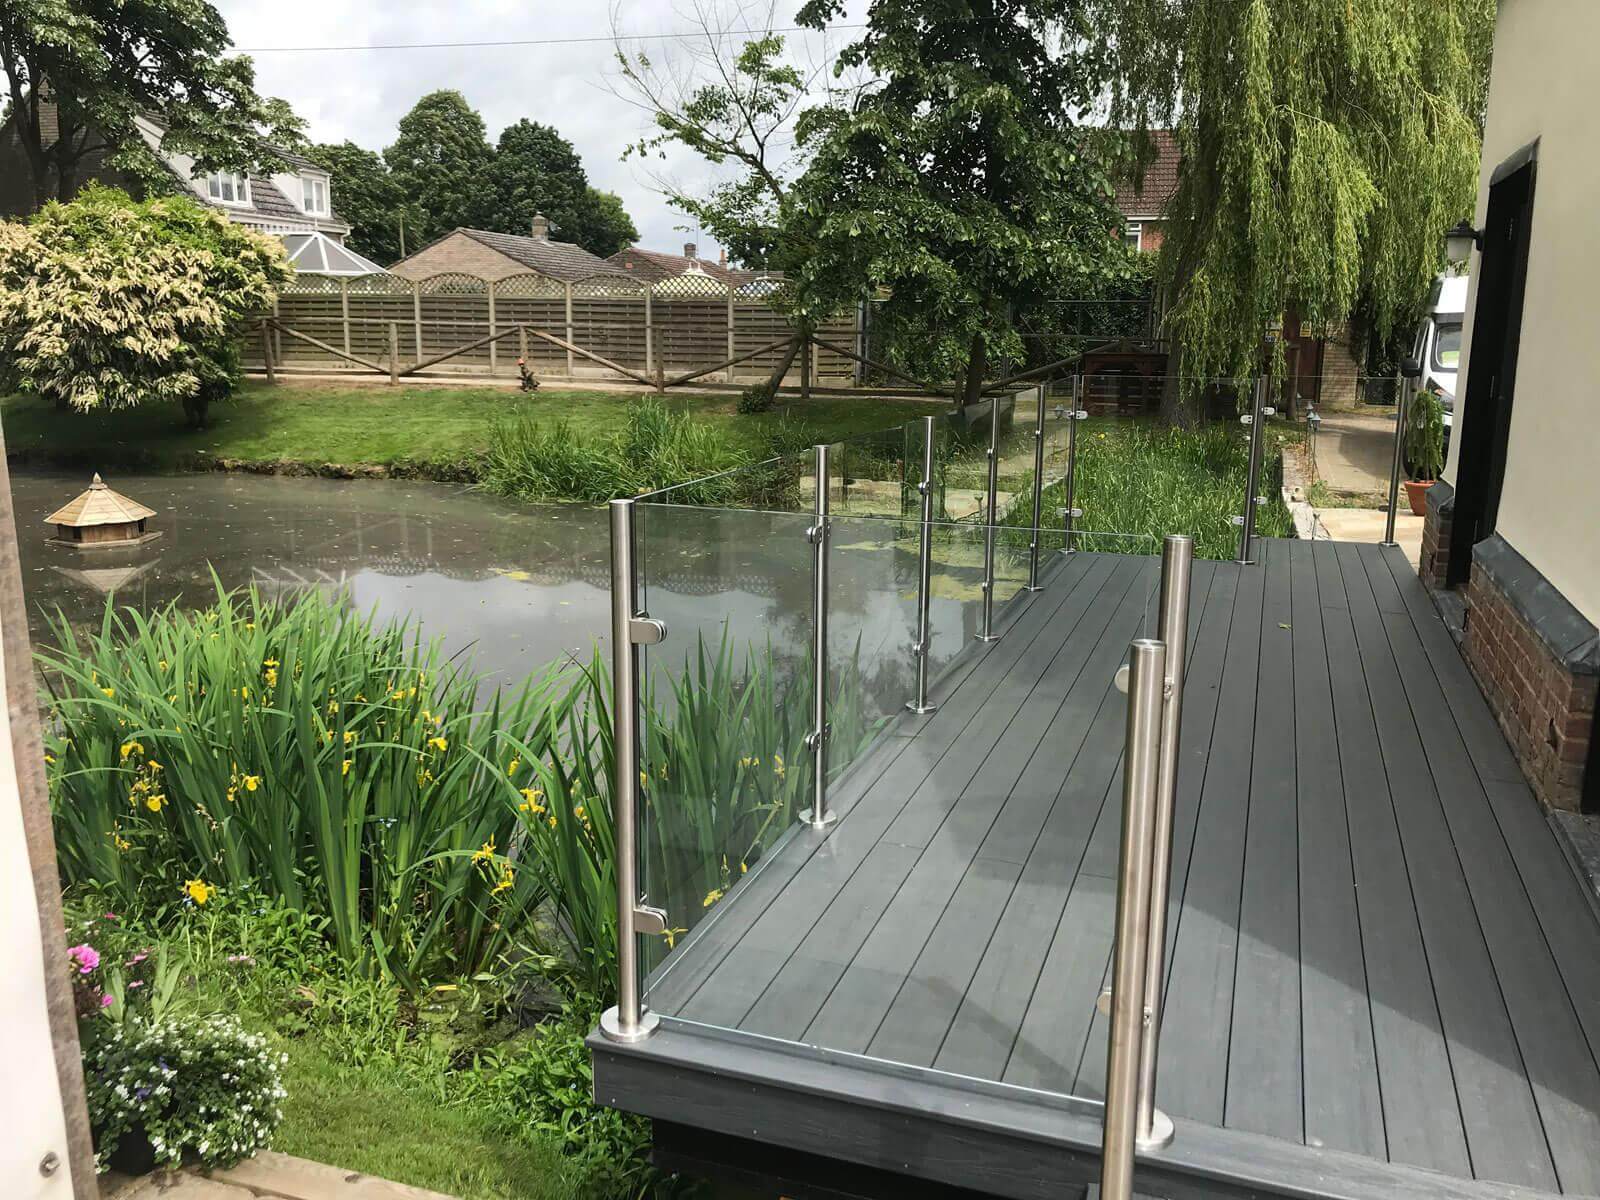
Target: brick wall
point(1340, 372)
point(457, 252)
point(1434, 560)
point(1538, 662)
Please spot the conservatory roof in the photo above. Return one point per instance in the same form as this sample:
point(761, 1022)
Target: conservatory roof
point(315, 253)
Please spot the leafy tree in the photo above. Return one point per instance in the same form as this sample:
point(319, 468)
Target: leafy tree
point(366, 195)
point(108, 303)
point(103, 63)
point(440, 160)
point(1327, 145)
point(958, 181)
point(612, 227)
point(735, 104)
point(536, 170)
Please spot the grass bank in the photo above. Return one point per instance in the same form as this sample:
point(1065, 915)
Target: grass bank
point(431, 432)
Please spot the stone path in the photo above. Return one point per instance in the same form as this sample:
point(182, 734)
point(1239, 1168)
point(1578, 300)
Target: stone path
point(267, 1176)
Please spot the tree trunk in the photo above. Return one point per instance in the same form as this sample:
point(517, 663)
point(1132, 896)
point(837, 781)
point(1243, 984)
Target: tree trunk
point(1177, 411)
point(977, 365)
point(775, 380)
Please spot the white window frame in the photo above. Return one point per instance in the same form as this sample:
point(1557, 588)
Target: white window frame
point(1133, 234)
point(241, 188)
point(312, 183)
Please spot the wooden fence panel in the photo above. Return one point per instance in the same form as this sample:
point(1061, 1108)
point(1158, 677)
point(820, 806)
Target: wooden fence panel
point(675, 325)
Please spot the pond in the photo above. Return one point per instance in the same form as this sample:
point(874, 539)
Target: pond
point(515, 586)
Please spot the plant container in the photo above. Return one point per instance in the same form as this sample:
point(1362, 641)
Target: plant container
point(1417, 494)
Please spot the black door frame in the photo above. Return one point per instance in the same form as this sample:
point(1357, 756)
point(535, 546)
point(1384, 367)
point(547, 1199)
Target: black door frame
point(1485, 424)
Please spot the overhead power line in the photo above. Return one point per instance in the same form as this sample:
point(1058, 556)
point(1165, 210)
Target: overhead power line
point(591, 39)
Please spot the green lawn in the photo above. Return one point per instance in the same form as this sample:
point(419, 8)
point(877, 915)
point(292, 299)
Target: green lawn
point(379, 1122)
point(429, 430)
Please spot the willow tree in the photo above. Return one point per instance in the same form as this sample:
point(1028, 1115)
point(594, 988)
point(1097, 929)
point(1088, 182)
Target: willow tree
point(1327, 146)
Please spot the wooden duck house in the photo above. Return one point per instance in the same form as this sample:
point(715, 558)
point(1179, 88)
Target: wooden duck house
point(101, 518)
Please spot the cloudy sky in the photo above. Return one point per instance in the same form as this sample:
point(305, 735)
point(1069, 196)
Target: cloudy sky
point(360, 94)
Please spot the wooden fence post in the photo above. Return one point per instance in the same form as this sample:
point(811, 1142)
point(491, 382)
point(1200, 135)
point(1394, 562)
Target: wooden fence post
point(805, 366)
point(522, 346)
point(266, 351)
point(732, 348)
point(649, 332)
point(567, 290)
point(394, 352)
point(494, 359)
point(416, 314)
point(344, 309)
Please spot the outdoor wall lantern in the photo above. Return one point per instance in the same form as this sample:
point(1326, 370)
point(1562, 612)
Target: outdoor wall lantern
point(1461, 240)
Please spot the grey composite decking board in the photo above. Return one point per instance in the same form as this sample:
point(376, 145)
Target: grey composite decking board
point(1566, 1082)
point(1401, 956)
point(852, 1013)
point(736, 984)
point(1194, 1055)
point(1342, 1105)
point(1265, 1090)
point(914, 1028)
point(1552, 887)
point(1210, 616)
point(1415, 1078)
point(1504, 1135)
point(989, 1031)
point(941, 858)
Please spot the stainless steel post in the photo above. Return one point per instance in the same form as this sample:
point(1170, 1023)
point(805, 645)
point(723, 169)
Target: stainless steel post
point(1072, 512)
point(1402, 413)
point(818, 816)
point(630, 628)
point(921, 704)
point(1146, 681)
point(1247, 519)
point(990, 516)
point(1038, 493)
point(1172, 629)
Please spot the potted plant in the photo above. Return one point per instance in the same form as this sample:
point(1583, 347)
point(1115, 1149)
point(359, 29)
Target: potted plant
point(1424, 447)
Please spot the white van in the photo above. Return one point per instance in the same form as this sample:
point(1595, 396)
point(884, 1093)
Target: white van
point(1437, 350)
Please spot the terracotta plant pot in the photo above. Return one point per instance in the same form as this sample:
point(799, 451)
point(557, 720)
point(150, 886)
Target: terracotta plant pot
point(1417, 494)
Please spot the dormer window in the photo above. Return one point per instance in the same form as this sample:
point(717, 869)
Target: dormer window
point(228, 187)
point(314, 195)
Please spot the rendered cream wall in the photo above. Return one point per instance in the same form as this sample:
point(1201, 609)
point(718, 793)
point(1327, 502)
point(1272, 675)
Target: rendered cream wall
point(1546, 87)
point(30, 1093)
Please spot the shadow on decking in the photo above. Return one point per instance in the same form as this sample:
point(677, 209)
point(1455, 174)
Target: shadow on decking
point(1376, 946)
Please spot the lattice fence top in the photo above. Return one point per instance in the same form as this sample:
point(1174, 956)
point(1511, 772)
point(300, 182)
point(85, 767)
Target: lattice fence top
point(379, 285)
point(600, 287)
point(311, 285)
point(531, 286)
point(453, 283)
point(691, 286)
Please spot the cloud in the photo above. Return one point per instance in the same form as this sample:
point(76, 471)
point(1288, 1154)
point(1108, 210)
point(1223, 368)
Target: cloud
point(362, 94)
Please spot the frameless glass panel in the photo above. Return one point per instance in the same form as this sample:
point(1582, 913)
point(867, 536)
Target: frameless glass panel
point(725, 700)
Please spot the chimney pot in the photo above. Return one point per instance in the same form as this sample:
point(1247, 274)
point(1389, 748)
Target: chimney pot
point(541, 227)
point(688, 250)
point(722, 257)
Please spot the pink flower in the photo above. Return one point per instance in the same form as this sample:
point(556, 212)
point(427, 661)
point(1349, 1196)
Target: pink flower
point(136, 983)
point(86, 956)
point(136, 959)
point(105, 1001)
point(111, 916)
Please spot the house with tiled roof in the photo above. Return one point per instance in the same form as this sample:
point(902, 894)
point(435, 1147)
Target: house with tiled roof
point(296, 198)
point(488, 255)
point(1143, 201)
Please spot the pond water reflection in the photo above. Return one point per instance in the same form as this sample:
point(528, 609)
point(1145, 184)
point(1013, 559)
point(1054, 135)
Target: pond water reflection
point(514, 585)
